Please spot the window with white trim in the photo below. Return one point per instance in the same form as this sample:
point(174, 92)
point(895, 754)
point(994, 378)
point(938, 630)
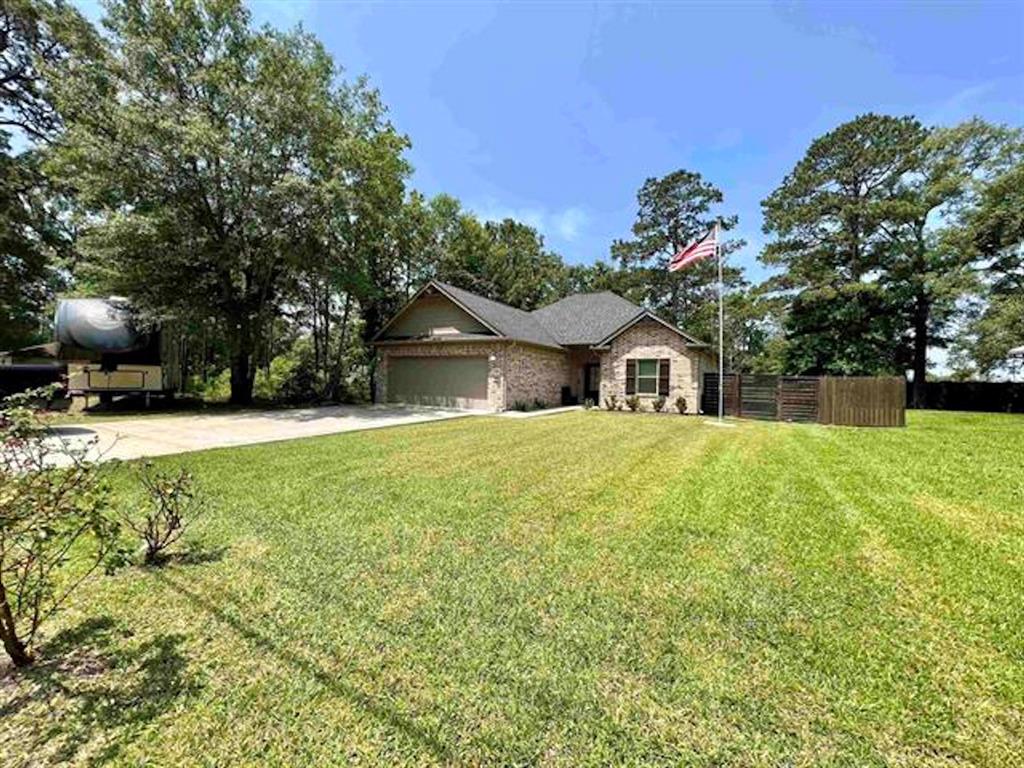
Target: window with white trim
point(647, 377)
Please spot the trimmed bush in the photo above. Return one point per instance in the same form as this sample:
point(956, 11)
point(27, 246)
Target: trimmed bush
point(173, 503)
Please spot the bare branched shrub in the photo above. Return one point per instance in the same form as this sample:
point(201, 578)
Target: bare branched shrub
point(172, 503)
point(52, 498)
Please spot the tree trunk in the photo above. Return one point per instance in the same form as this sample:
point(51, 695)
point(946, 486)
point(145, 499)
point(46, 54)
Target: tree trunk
point(241, 363)
point(334, 389)
point(921, 312)
point(326, 311)
point(241, 380)
point(16, 649)
point(372, 316)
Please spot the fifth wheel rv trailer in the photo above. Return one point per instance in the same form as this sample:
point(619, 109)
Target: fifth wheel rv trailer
point(108, 354)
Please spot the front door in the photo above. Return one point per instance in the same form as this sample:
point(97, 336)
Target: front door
point(592, 382)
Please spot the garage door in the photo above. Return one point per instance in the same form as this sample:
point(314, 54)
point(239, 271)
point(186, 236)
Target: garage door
point(456, 382)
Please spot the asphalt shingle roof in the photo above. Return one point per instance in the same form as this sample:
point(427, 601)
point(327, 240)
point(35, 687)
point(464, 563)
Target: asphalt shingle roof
point(586, 318)
point(582, 319)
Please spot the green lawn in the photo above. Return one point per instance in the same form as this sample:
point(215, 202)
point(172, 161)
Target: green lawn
point(582, 589)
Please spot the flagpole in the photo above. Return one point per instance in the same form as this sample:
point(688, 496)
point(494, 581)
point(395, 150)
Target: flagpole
point(721, 331)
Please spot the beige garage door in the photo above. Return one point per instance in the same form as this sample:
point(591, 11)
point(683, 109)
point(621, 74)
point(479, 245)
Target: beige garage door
point(456, 382)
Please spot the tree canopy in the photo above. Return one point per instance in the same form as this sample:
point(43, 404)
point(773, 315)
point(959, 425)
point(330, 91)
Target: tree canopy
point(995, 232)
point(673, 211)
point(228, 177)
point(206, 151)
point(862, 232)
point(36, 237)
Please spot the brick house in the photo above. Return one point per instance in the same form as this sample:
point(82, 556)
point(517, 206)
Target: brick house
point(450, 347)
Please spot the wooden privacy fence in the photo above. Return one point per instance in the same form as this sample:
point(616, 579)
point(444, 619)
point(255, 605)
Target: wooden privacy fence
point(991, 396)
point(863, 401)
point(868, 401)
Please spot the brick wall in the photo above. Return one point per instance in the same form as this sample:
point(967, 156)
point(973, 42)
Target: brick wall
point(535, 373)
point(516, 372)
point(649, 339)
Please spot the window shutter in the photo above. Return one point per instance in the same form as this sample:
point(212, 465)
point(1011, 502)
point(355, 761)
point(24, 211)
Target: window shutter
point(663, 380)
point(630, 377)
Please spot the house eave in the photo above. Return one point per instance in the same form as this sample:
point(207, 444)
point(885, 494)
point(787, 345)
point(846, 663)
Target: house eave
point(440, 289)
point(447, 339)
point(605, 343)
point(461, 339)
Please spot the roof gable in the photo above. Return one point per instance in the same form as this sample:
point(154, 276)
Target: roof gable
point(508, 321)
point(426, 290)
point(500, 319)
point(646, 314)
point(432, 313)
point(582, 319)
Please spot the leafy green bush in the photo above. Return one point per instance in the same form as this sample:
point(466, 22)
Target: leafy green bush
point(588, 404)
point(612, 403)
point(681, 404)
point(271, 383)
point(290, 378)
point(634, 403)
point(217, 389)
point(658, 404)
point(53, 501)
point(536, 405)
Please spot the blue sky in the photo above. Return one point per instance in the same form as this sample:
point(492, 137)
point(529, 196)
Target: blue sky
point(555, 113)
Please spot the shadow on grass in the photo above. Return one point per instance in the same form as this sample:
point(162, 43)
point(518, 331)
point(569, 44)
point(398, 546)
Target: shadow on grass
point(279, 648)
point(95, 683)
point(192, 555)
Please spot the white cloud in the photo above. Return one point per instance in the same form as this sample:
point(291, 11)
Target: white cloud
point(566, 225)
point(960, 105)
point(569, 222)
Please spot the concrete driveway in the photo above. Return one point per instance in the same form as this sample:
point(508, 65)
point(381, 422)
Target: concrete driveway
point(162, 435)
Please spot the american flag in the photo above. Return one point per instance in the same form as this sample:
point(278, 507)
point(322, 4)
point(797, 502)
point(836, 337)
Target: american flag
point(695, 251)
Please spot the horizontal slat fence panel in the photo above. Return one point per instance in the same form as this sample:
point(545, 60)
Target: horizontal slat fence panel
point(731, 406)
point(876, 401)
point(759, 396)
point(709, 395)
point(798, 398)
